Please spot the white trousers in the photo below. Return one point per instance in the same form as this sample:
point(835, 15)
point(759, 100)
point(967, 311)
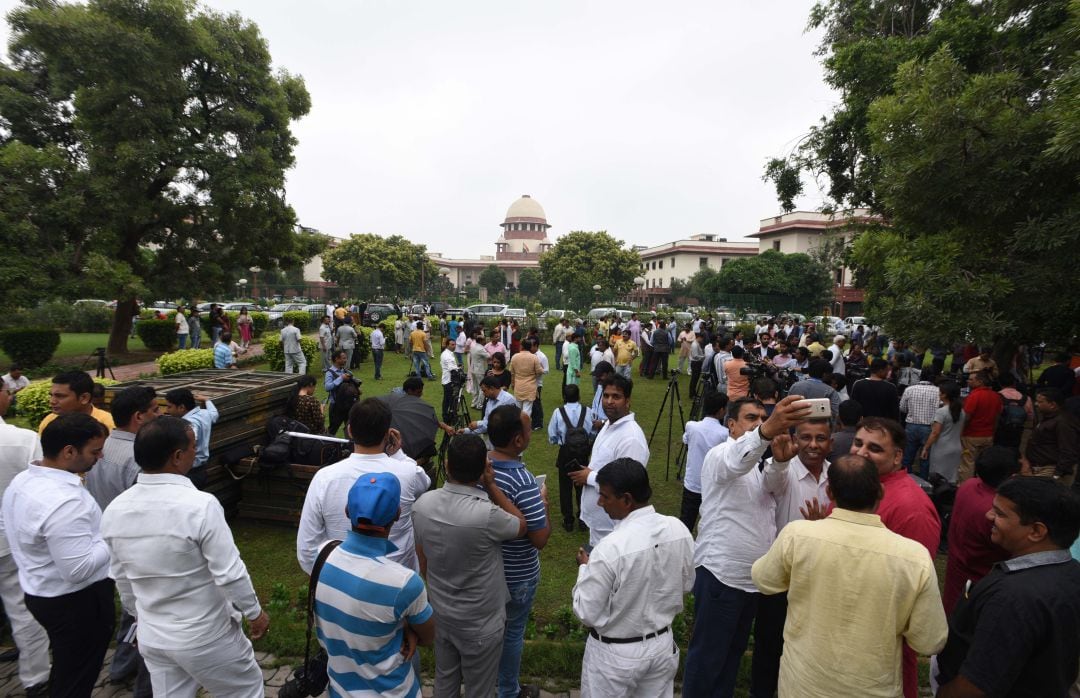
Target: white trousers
point(643, 669)
point(297, 359)
point(226, 668)
point(526, 406)
point(30, 637)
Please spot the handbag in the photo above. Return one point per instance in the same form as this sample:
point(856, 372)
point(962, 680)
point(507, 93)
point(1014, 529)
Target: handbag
point(311, 678)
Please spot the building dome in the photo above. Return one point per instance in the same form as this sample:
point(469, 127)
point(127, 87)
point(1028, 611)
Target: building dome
point(526, 207)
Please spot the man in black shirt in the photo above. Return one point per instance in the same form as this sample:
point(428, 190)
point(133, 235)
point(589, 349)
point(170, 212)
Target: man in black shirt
point(877, 396)
point(1058, 376)
point(1017, 631)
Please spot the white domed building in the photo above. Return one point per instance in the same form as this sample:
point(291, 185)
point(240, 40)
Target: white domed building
point(524, 237)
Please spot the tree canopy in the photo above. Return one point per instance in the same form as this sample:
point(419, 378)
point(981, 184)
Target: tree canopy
point(958, 124)
point(143, 149)
point(580, 260)
point(493, 279)
point(529, 281)
point(366, 261)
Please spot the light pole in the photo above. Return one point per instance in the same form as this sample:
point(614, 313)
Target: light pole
point(596, 290)
point(378, 293)
point(254, 281)
point(242, 283)
point(639, 281)
point(444, 272)
point(562, 299)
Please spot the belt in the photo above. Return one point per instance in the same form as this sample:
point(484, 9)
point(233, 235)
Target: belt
point(626, 640)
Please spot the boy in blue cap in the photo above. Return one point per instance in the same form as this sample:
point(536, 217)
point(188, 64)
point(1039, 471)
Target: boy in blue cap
point(354, 593)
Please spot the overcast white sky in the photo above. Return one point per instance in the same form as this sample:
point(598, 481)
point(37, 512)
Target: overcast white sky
point(650, 120)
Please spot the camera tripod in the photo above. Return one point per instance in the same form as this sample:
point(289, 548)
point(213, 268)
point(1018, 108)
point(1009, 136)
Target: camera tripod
point(458, 419)
point(696, 408)
point(675, 397)
point(102, 363)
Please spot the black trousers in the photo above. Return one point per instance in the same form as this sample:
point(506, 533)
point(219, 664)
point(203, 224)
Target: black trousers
point(695, 376)
point(688, 512)
point(80, 626)
point(569, 493)
point(538, 409)
point(447, 400)
point(768, 645)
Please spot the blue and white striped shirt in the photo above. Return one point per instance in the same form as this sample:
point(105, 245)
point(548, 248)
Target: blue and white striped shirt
point(361, 603)
point(521, 561)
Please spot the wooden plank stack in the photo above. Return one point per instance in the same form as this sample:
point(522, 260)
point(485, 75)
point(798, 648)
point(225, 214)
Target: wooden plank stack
point(245, 401)
point(275, 494)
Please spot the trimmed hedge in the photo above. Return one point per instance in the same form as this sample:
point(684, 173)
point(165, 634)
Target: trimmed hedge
point(30, 347)
point(88, 317)
point(276, 357)
point(34, 400)
point(157, 335)
point(363, 341)
point(301, 319)
point(185, 360)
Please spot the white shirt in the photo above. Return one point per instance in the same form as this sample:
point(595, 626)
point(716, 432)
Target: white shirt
point(447, 364)
point(290, 339)
point(636, 577)
point(802, 487)
point(544, 365)
point(117, 469)
point(13, 384)
point(175, 563)
point(557, 428)
point(503, 398)
point(738, 513)
point(181, 324)
point(700, 438)
point(837, 361)
point(326, 337)
point(53, 526)
point(377, 339)
point(323, 517)
point(460, 342)
point(17, 448)
point(621, 439)
point(559, 333)
point(596, 356)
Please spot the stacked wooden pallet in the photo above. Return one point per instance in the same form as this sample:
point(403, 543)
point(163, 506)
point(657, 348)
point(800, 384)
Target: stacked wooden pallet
point(274, 494)
point(245, 401)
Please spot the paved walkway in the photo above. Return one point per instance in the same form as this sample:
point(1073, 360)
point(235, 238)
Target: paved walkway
point(130, 372)
point(273, 675)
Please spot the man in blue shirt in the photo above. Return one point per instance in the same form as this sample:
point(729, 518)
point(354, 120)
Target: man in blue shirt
point(699, 438)
point(566, 417)
point(368, 606)
point(180, 402)
point(494, 396)
point(510, 429)
point(223, 356)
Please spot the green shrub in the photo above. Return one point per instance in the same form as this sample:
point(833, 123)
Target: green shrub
point(185, 360)
point(259, 323)
point(34, 400)
point(747, 328)
point(276, 358)
point(363, 342)
point(55, 314)
point(30, 347)
point(90, 318)
point(147, 314)
point(300, 318)
point(157, 335)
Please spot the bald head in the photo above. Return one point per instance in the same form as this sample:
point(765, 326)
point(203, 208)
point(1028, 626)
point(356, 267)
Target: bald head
point(854, 483)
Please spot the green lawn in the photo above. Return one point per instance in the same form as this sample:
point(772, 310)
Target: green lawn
point(76, 347)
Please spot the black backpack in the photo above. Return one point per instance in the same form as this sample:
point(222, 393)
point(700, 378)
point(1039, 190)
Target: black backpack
point(576, 444)
point(1010, 426)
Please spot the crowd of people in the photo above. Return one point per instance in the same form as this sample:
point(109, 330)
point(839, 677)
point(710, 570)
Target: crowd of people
point(814, 534)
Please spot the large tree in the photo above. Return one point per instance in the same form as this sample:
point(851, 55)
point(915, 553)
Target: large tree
point(143, 149)
point(493, 278)
point(958, 124)
point(580, 260)
point(366, 261)
point(529, 281)
point(773, 273)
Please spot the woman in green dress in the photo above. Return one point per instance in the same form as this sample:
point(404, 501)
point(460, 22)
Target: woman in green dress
point(573, 365)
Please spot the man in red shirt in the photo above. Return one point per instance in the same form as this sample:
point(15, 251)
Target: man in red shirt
point(982, 407)
point(904, 509)
point(971, 552)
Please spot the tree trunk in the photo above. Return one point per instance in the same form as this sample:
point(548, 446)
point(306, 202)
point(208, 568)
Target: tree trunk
point(121, 326)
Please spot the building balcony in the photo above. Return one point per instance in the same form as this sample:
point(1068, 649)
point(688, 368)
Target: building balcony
point(518, 256)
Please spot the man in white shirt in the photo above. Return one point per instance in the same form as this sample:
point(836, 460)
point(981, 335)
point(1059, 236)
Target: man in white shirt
point(700, 438)
point(620, 437)
point(180, 402)
point(629, 588)
point(326, 342)
point(806, 492)
point(837, 362)
point(52, 524)
point(179, 573)
point(18, 447)
point(14, 381)
point(323, 517)
point(378, 347)
point(116, 472)
point(290, 346)
point(598, 354)
point(447, 365)
point(738, 524)
point(558, 336)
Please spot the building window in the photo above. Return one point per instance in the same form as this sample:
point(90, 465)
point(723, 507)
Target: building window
point(703, 261)
point(672, 262)
point(776, 245)
point(660, 283)
point(708, 238)
point(672, 282)
point(661, 264)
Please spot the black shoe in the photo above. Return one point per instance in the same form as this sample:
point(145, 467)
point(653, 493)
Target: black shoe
point(568, 526)
point(9, 655)
point(39, 691)
point(581, 526)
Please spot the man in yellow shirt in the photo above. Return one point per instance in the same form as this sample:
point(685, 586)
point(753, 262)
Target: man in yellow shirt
point(625, 352)
point(855, 591)
point(73, 391)
point(418, 341)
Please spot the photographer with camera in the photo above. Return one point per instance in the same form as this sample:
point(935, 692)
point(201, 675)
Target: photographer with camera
point(738, 374)
point(343, 390)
